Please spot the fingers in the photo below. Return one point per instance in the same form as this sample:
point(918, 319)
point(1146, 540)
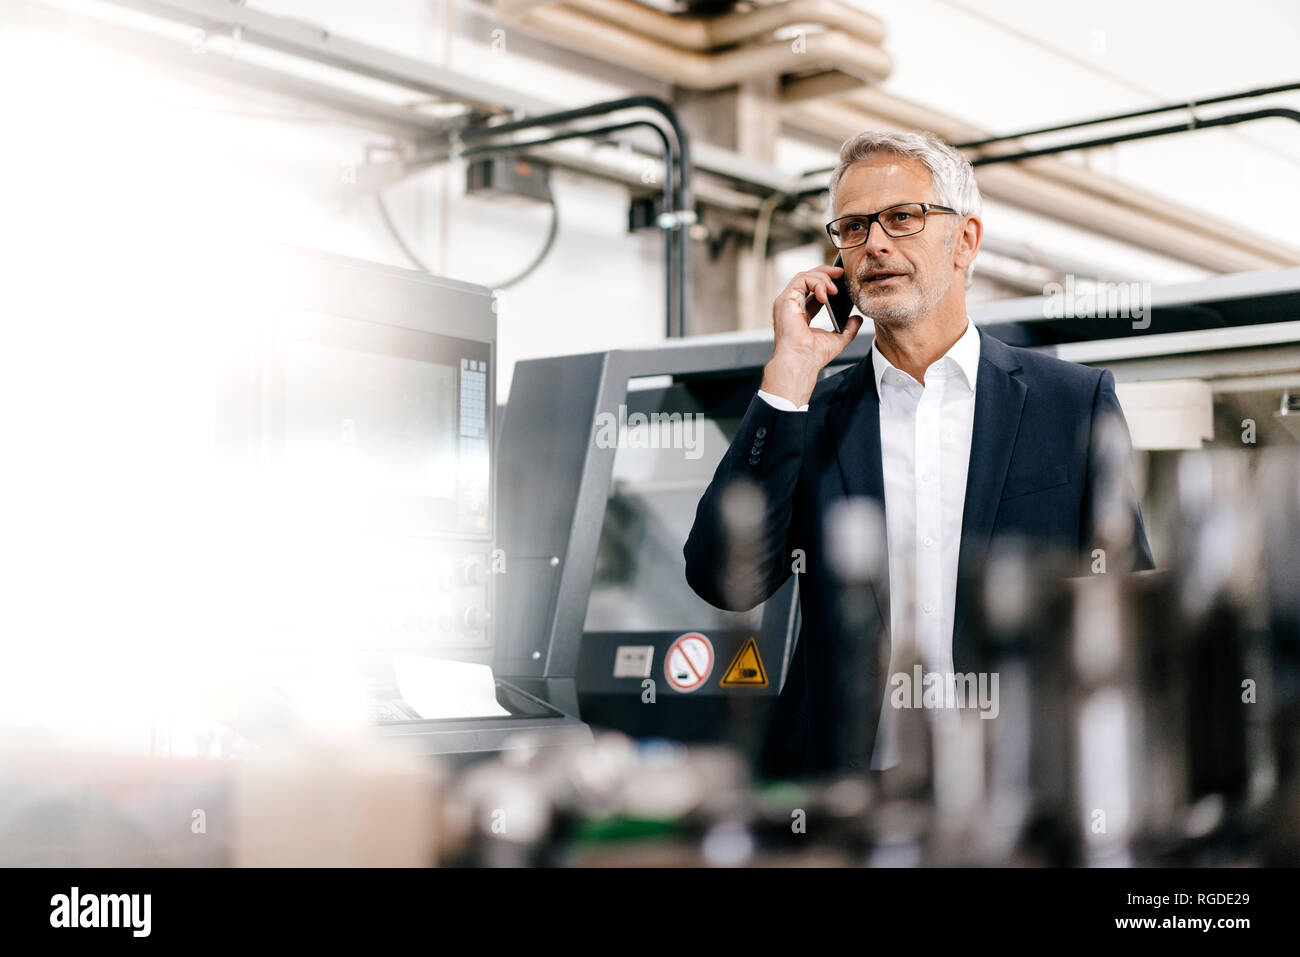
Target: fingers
point(851, 327)
point(812, 288)
point(817, 284)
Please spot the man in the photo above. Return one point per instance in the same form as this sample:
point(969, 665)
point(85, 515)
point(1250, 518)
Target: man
point(883, 485)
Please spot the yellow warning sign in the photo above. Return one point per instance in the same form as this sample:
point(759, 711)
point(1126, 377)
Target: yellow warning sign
point(745, 669)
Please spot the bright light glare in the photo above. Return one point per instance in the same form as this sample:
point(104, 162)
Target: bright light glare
point(126, 238)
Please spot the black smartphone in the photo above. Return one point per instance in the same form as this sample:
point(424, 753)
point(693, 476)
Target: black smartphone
point(841, 303)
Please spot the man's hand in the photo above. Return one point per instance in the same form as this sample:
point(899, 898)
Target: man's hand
point(801, 352)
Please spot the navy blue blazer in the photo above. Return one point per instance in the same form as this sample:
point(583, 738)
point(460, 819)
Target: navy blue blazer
point(1032, 474)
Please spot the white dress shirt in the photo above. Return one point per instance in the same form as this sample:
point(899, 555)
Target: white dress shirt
point(925, 440)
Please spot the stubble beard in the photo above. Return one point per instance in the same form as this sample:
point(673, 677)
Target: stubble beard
point(901, 311)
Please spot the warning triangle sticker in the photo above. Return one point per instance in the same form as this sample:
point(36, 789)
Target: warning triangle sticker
point(745, 669)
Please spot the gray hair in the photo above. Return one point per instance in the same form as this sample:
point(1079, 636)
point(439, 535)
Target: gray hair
point(951, 173)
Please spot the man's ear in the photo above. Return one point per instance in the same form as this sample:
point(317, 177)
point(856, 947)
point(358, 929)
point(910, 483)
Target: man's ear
point(967, 244)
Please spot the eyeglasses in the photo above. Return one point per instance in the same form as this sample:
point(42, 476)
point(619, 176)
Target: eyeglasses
point(905, 219)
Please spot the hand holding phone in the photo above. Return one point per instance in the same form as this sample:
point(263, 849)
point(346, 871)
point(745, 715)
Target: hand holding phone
point(841, 303)
point(799, 352)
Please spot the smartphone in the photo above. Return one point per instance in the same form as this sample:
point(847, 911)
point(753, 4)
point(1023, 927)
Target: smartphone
point(841, 303)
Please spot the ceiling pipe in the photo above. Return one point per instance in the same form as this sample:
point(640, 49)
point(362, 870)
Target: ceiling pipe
point(580, 31)
point(1056, 188)
point(731, 28)
point(882, 107)
point(735, 27)
point(1195, 123)
point(1020, 186)
point(1150, 111)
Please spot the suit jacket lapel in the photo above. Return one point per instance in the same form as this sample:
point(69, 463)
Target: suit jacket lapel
point(853, 418)
point(999, 401)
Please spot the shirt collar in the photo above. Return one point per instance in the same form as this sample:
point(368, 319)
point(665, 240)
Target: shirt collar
point(965, 352)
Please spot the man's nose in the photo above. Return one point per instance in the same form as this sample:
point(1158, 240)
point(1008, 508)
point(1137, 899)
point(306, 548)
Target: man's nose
point(878, 241)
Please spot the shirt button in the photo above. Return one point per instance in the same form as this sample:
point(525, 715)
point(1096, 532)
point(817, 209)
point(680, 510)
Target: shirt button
point(929, 542)
point(925, 478)
point(928, 608)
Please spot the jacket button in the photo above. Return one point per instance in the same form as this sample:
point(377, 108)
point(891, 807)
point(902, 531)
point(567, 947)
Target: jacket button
point(753, 460)
point(761, 432)
point(756, 451)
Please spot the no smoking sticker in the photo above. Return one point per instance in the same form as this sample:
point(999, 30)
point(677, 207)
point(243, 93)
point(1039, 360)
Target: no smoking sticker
point(689, 662)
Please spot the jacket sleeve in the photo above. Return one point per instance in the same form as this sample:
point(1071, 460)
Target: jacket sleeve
point(737, 553)
point(1110, 501)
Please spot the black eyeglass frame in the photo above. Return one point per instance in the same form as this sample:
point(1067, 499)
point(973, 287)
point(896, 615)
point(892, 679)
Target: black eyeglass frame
point(926, 208)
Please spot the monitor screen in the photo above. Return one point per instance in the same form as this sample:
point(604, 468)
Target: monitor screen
point(380, 422)
point(393, 421)
point(669, 444)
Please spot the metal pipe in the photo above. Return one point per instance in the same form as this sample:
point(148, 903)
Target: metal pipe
point(317, 43)
point(680, 211)
point(1193, 124)
point(1190, 104)
point(580, 31)
point(1062, 190)
point(725, 29)
point(667, 188)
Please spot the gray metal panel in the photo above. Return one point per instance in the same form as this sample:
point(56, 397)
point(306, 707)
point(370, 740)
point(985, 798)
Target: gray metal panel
point(524, 601)
point(419, 738)
point(725, 354)
point(1178, 343)
point(376, 292)
point(1232, 302)
point(1246, 367)
point(543, 468)
point(554, 488)
point(1199, 292)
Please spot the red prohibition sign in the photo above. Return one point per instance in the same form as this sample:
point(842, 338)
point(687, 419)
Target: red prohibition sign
point(689, 662)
